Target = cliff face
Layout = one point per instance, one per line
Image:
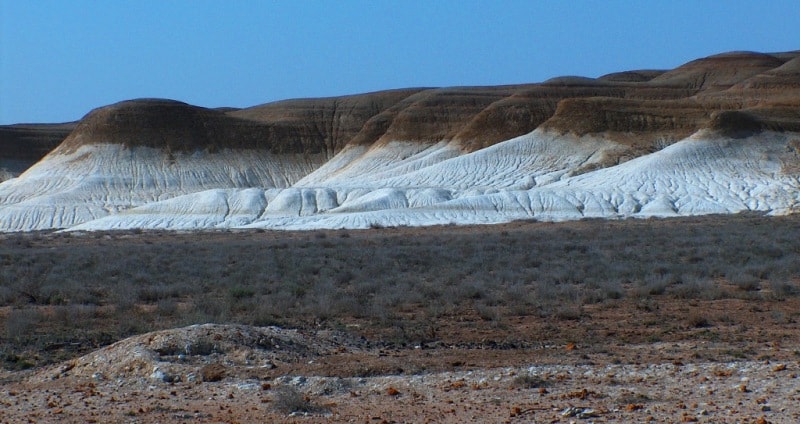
(716, 135)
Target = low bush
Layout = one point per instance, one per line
(397, 280)
(288, 399)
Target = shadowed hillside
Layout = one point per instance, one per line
(23, 145)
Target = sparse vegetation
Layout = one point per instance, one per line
(288, 400)
(65, 294)
(529, 381)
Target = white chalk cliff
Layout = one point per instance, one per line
(715, 136)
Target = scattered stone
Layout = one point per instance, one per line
(458, 384)
(723, 373)
(580, 394)
(157, 374)
(577, 412)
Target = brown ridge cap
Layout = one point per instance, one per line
(643, 101)
(642, 75)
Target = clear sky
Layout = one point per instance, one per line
(59, 59)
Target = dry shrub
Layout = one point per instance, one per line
(288, 399)
(698, 321)
(212, 372)
(529, 381)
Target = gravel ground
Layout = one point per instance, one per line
(270, 374)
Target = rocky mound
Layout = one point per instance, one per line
(200, 352)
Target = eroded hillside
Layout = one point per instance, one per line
(717, 135)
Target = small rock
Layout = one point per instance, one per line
(573, 411)
(157, 374)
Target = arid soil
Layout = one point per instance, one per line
(676, 356)
(740, 366)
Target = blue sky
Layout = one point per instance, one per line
(60, 59)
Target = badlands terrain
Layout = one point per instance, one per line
(325, 260)
(716, 135)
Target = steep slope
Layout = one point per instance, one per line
(716, 135)
(703, 174)
(137, 152)
(326, 124)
